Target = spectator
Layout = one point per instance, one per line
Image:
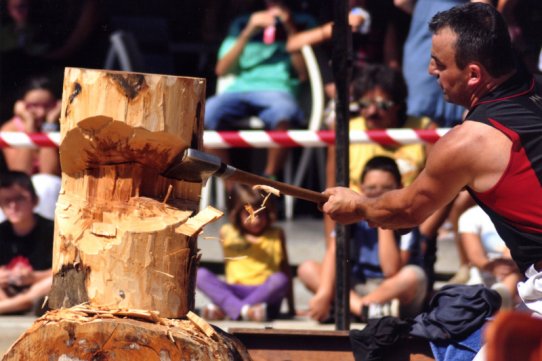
(22, 41)
(256, 267)
(381, 93)
(26, 244)
(486, 251)
(386, 274)
(266, 76)
(37, 110)
(21, 32)
(378, 32)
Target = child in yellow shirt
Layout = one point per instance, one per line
(254, 259)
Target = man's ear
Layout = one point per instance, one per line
(474, 74)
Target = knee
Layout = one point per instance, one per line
(307, 270)
(414, 277)
(203, 275)
(278, 279)
(212, 111)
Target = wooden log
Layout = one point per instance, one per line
(86, 334)
(124, 235)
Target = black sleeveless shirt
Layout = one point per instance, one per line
(514, 204)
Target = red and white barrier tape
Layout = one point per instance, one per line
(259, 139)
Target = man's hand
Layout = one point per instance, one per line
(260, 20)
(344, 205)
(53, 114)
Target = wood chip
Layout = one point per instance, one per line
(202, 325)
(164, 273)
(169, 190)
(237, 258)
(250, 211)
(267, 189)
(104, 229)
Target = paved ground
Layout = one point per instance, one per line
(304, 240)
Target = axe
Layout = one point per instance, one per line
(192, 165)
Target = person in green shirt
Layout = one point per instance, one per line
(265, 75)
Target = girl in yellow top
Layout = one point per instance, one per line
(253, 256)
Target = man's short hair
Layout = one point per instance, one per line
(23, 180)
(482, 36)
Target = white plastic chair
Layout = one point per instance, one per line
(313, 108)
(124, 53)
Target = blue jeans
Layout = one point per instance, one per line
(231, 298)
(272, 107)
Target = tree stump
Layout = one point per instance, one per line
(125, 246)
(119, 235)
(81, 334)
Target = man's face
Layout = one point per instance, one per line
(16, 203)
(379, 111)
(452, 80)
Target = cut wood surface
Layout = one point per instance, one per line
(84, 333)
(125, 236)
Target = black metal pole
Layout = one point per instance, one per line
(341, 64)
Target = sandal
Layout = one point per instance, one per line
(212, 312)
(256, 313)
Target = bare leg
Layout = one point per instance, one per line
(405, 286)
(309, 274)
(276, 156)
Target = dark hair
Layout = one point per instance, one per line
(39, 83)
(482, 36)
(382, 163)
(390, 80)
(11, 178)
(244, 195)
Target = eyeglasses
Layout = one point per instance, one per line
(46, 106)
(18, 199)
(381, 104)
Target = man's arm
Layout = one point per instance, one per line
(472, 154)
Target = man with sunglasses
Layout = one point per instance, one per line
(496, 153)
(379, 97)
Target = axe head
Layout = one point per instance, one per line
(195, 166)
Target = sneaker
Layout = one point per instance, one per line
(212, 312)
(379, 310)
(462, 275)
(507, 303)
(256, 313)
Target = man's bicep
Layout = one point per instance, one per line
(446, 173)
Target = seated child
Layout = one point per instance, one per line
(26, 246)
(255, 266)
(37, 110)
(386, 277)
(486, 252)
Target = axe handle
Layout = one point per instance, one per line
(251, 179)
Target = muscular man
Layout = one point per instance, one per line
(496, 153)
